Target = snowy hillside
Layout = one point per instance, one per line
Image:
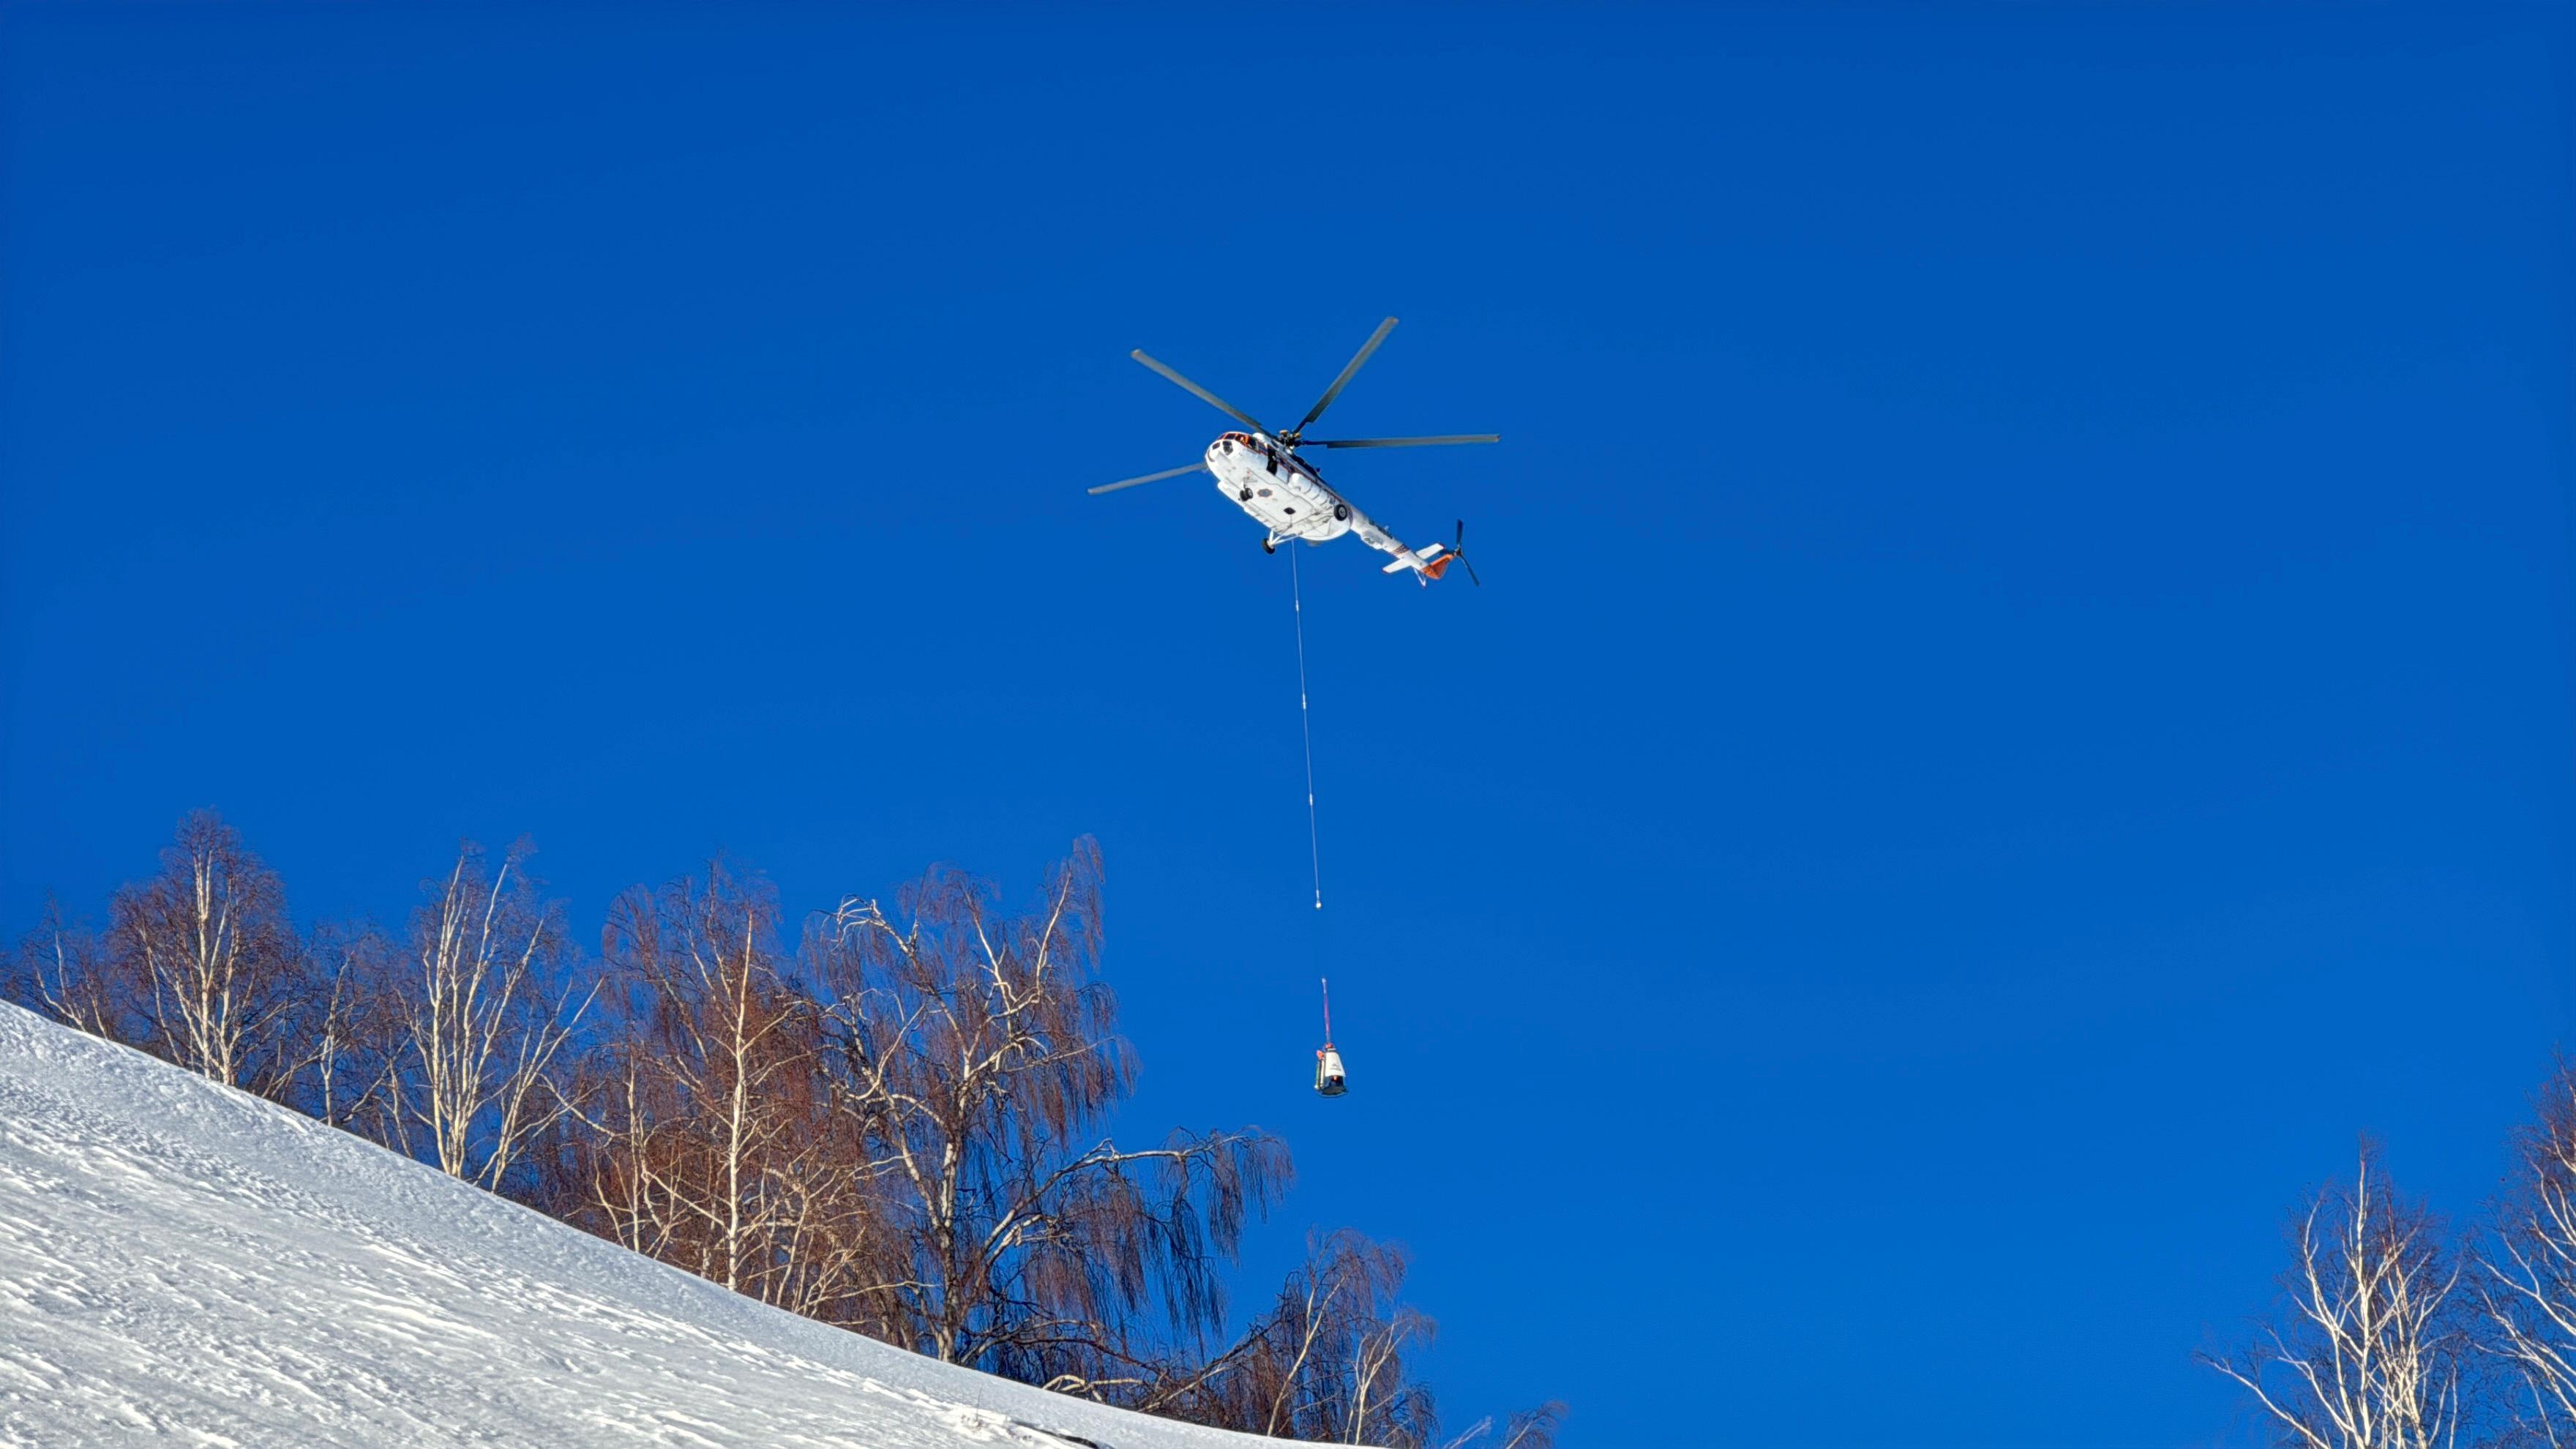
(180, 1258)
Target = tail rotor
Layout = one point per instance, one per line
(1458, 551)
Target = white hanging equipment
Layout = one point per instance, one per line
(1328, 1062)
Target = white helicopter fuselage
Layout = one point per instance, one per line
(1285, 495)
(1279, 489)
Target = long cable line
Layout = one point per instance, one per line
(1305, 727)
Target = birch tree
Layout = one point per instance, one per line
(979, 1053)
(1333, 1360)
(714, 1149)
(2370, 1352)
(2527, 1266)
(1335, 1369)
(483, 1013)
(200, 964)
(61, 973)
(344, 1053)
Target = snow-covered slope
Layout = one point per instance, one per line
(180, 1258)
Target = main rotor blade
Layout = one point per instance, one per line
(1401, 442)
(1148, 478)
(1203, 395)
(1348, 373)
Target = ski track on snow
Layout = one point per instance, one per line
(178, 1259)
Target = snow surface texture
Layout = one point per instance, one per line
(182, 1259)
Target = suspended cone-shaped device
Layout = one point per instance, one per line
(1329, 1080)
(1328, 1072)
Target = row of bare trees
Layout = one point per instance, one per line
(443, 1043)
(895, 1117)
(2396, 1332)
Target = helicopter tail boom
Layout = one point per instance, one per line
(1430, 563)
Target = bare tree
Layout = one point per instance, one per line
(1527, 1429)
(2527, 1266)
(980, 1055)
(480, 1018)
(1345, 1380)
(345, 1056)
(714, 1148)
(2370, 1354)
(60, 972)
(1328, 1363)
(199, 964)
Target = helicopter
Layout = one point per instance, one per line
(1261, 472)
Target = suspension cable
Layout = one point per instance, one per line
(1305, 727)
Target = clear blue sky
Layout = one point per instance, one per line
(2020, 698)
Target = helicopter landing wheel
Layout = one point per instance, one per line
(1243, 497)
(1342, 512)
(1270, 545)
